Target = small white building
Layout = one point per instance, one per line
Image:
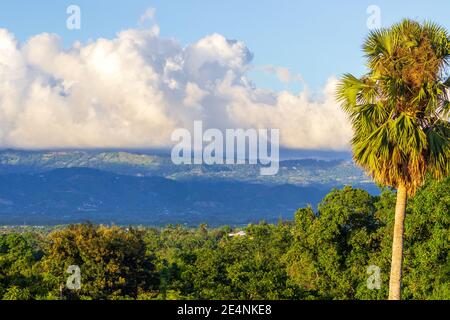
(238, 234)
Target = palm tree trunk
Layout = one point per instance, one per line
(395, 281)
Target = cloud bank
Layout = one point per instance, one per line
(135, 89)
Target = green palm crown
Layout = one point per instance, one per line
(399, 110)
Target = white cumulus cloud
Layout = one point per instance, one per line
(135, 89)
(283, 74)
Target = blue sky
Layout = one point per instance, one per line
(316, 39)
(129, 85)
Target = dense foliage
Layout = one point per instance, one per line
(400, 116)
(318, 255)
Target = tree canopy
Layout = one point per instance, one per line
(320, 254)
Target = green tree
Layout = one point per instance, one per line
(331, 250)
(251, 266)
(16, 293)
(426, 262)
(17, 262)
(113, 261)
(399, 112)
(427, 240)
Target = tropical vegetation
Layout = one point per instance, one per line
(328, 253)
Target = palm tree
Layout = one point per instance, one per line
(399, 111)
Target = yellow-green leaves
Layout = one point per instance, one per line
(397, 107)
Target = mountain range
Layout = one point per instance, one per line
(145, 187)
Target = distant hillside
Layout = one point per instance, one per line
(59, 187)
(78, 194)
(298, 171)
